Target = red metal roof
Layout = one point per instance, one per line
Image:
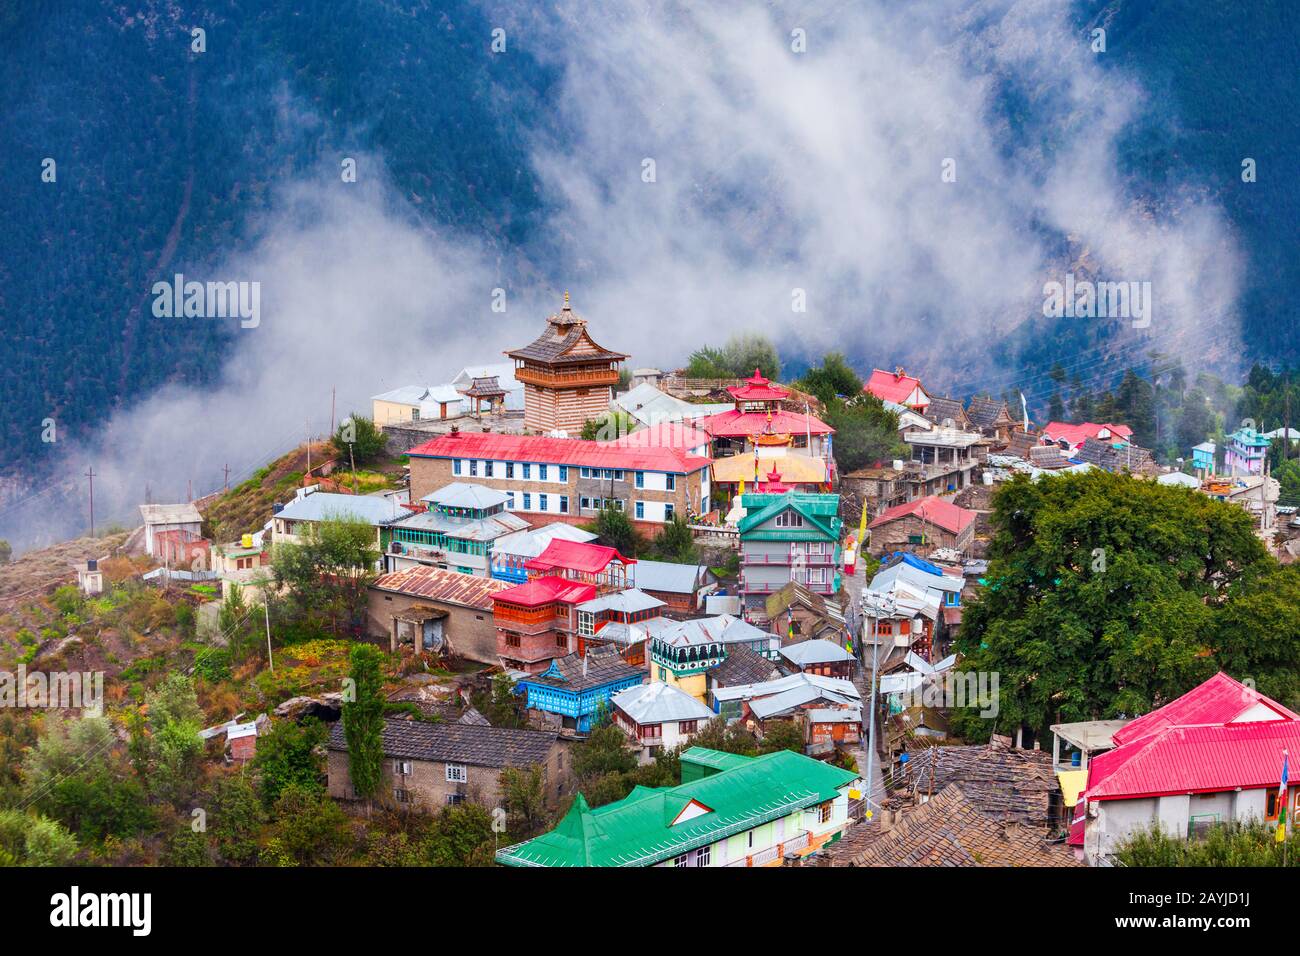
(1204, 759)
(680, 435)
(579, 556)
(734, 424)
(1219, 700)
(547, 590)
(758, 389)
(451, 587)
(1076, 435)
(891, 386)
(937, 511)
(559, 451)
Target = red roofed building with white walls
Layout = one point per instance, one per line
(898, 387)
(568, 479)
(1212, 756)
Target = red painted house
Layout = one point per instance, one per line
(899, 388)
(1071, 437)
(537, 622)
(593, 564)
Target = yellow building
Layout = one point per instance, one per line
(416, 403)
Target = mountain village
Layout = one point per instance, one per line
(769, 647)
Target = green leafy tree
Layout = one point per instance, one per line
(29, 839)
(781, 735)
(462, 836)
(6, 551)
(615, 529)
(237, 818)
(523, 797)
(363, 720)
(865, 432)
(311, 828)
(737, 359)
(676, 542)
(328, 574)
(499, 703)
(175, 748)
(834, 377)
(239, 626)
(1225, 845)
(290, 755)
(608, 427)
(358, 439)
(717, 734)
(1107, 597)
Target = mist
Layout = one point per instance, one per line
(779, 178)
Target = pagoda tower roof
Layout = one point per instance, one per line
(565, 342)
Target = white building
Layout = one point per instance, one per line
(159, 518)
(658, 716)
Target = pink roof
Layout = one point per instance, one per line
(559, 451)
(1219, 700)
(758, 389)
(576, 556)
(1075, 435)
(891, 387)
(679, 435)
(734, 424)
(547, 591)
(1203, 759)
(937, 511)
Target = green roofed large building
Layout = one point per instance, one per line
(729, 810)
(788, 537)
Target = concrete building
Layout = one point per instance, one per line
(429, 609)
(181, 517)
(658, 717)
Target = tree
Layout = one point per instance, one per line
(614, 529)
(328, 573)
(311, 828)
(717, 734)
(238, 626)
(289, 755)
(737, 359)
(1196, 423)
(833, 378)
(363, 721)
(175, 748)
(237, 818)
(1107, 598)
(865, 432)
(6, 551)
(358, 439)
(29, 839)
(676, 542)
(499, 703)
(523, 797)
(781, 735)
(1224, 845)
(462, 836)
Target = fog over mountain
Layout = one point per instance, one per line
(774, 171)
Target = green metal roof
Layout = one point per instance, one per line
(822, 511)
(638, 830)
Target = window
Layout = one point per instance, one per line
(564, 473)
(640, 509)
(528, 471)
(415, 414)
(703, 855)
(510, 500)
(473, 468)
(687, 726)
(681, 860)
(541, 472)
(512, 639)
(564, 504)
(510, 469)
(528, 501)
(455, 466)
(670, 482)
(789, 519)
(669, 511)
(561, 640)
(586, 623)
(824, 812)
(456, 773)
(401, 796)
(541, 502)
(402, 768)
(640, 479)
(455, 798)
(487, 469)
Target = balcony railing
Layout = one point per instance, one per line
(532, 376)
(773, 853)
(780, 559)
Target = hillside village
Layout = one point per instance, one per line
(565, 611)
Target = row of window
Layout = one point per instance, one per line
(524, 470)
(456, 772)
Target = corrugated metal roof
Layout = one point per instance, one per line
(629, 601)
(1218, 700)
(656, 703)
(1203, 759)
(532, 542)
(546, 590)
(734, 424)
(667, 576)
(581, 556)
(463, 494)
(320, 505)
(574, 452)
(449, 587)
(936, 511)
(817, 651)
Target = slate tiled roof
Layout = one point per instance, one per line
(950, 830)
(743, 666)
(941, 409)
(564, 331)
(1103, 454)
(937, 511)
(471, 744)
(984, 412)
(601, 670)
(999, 780)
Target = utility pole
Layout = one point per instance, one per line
(333, 390)
(90, 474)
(309, 448)
(189, 489)
(226, 469)
(875, 663)
(266, 608)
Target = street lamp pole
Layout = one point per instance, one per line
(874, 610)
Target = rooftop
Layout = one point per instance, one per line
(657, 703)
(462, 494)
(561, 451)
(531, 542)
(937, 511)
(565, 341)
(449, 587)
(574, 674)
(1218, 700)
(472, 744)
(546, 590)
(322, 505)
(629, 601)
(171, 514)
(892, 386)
(817, 651)
(649, 825)
(668, 576)
(1004, 782)
(581, 556)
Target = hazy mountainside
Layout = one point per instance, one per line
(167, 159)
